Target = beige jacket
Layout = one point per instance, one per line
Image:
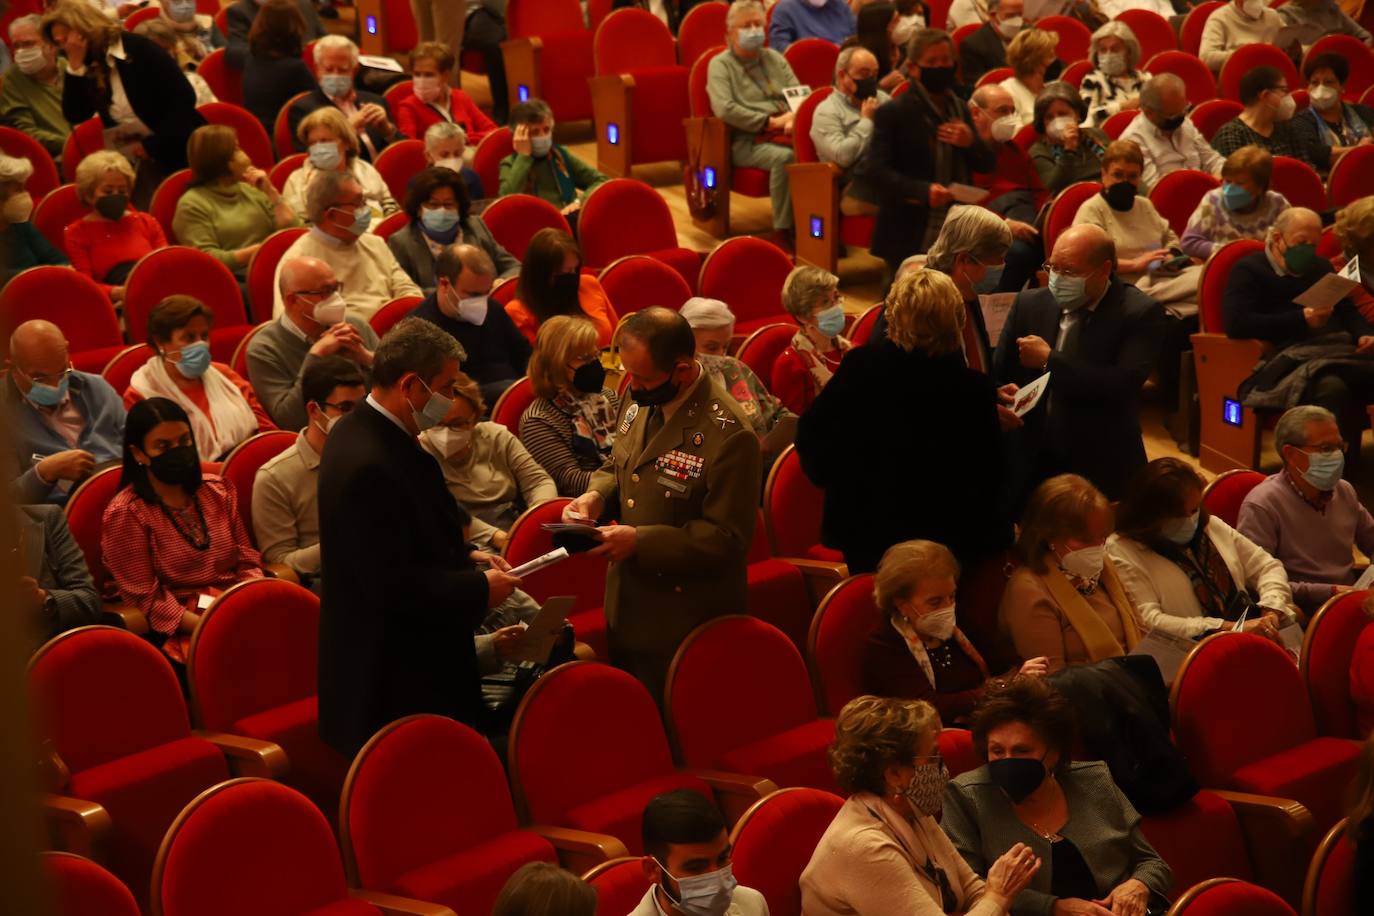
(1226, 30)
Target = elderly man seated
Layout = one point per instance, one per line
(31, 97)
(842, 126)
(1167, 138)
(745, 84)
(1316, 354)
(313, 325)
(366, 270)
(336, 63)
(64, 424)
(1306, 516)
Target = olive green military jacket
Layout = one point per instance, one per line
(692, 494)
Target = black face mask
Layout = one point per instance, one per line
(865, 88)
(1172, 124)
(656, 396)
(112, 206)
(589, 379)
(180, 466)
(1120, 196)
(937, 79)
(1017, 776)
(565, 288)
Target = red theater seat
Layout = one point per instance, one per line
(1330, 887)
(1228, 897)
(242, 464)
(700, 31)
(580, 574)
(262, 269)
(816, 196)
(224, 81)
(177, 270)
(1299, 182)
(386, 317)
(1352, 177)
(252, 137)
(548, 56)
(792, 507)
(639, 92)
(1200, 85)
(1064, 208)
(778, 593)
(1190, 34)
(1224, 495)
(620, 883)
(1209, 116)
(1247, 58)
(774, 841)
(399, 163)
(623, 217)
(1336, 666)
(708, 154)
(510, 406)
(1177, 194)
(1151, 30)
(1075, 38)
(813, 61)
(760, 350)
(637, 282)
(515, 218)
(486, 162)
(747, 274)
(79, 887)
(55, 212)
(72, 301)
(20, 145)
(835, 647)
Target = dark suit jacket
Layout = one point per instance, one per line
(318, 99)
(1258, 303)
(901, 168)
(52, 557)
(401, 599)
(980, 52)
(240, 17)
(158, 93)
(1096, 394)
(884, 447)
(270, 84)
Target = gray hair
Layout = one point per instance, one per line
(845, 56)
(413, 345)
(323, 192)
(806, 287)
(1116, 29)
(1152, 94)
(737, 9)
(32, 19)
(444, 130)
(974, 231)
(707, 314)
(1285, 220)
(1292, 427)
(335, 43)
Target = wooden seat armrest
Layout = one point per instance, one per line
(580, 850)
(820, 575)
(734, 792)
(249, 756)
(392, 905)
(611, 104)
(125, 616)
(283, 572)
(1278, 838)
(1289, 817)
(521, 57)
(76, 825)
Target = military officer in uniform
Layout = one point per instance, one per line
(682, 483)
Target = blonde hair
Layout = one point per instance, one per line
(1028, 49)
(805, 289)
(1355, 225)
(560, 339)
(91, 169)
(1059, 507)
(904, 566)
(925, 312)
(333, 120)
(100, 30)
(1127, 151)
(874, 733)
(1254, 161)
(467, 389)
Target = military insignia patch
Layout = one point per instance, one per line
(680, 465)
(697, 439)
(630, 415)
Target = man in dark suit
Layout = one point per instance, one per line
(1098, 338)
(986, 49)
(911, 174)
(402, 592)
(336, 62)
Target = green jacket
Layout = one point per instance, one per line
(521, 174)
(36, 109)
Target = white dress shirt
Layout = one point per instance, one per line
(1186, 148)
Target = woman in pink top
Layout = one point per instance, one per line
(107, 242)
(432, 69)
(552, 283)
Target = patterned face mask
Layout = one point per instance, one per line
(926, 791)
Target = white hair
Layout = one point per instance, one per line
(738, 9)
(707, 314)
(1288, 218)
(33, 20)
(1117, 29)
(1292, 426)
(969, 230)
(444, 130)
(13, 168)
(335, 43)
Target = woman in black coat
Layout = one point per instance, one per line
(131, 83)
(905, 440)
(274, 71)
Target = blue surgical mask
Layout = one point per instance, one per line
(180, 10)
(434, 411)
(1234, 197)
(325, 155)
(49, 395)
(540, 146)
(440, 220)
(830, 322)
(195, 359)
(1324, 470)
(1069, 292)
(1181, 531)
(336, 85)
(362, 218)
(751, 39)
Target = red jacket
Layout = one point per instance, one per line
(1014, 172)
(414, 117)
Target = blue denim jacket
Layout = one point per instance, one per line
(34, 439)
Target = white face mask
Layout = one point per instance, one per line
(449, 441)
(326, 424)
(1010, 26)
(30, 60)
(937, 624)
(330, 310)
(1085, 563)
(1325, 98)
(1004, 128)
(1056, 129)
(1113, 63)
(1286, 109)
(906, 27)
(453, 162)
(471, 309)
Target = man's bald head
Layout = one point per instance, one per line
(992, 97)
(306, 274)
(1086, 251)
(38, 348)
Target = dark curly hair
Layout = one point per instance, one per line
(1029, 700)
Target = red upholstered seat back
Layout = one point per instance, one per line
(20, 145)
(1330, 887)
(632, 39)
(699, 100)
(1352, 177)
(747, 274)
(402, 35)
(1116, 125)
(424, 788)
(282, 138)
(792, 506)
(185, 271)
(515, 218)
(268, 627)
(1209, 116)
(566, 749)
(963, 32)
(486, 162)
(1190, 35)
(1247, 58)
(1212, 287)
(760, 350)
(392, 225)
(995, 75)
(163, 207)
(1065, 207)
(637, 282)
(241, 465)
(579, 575)
(82, 888)
(719, 666)
(774, 841)
(225, 82)
(813, 61)
(838, 631)
(1362, 680)
(1328, 661)
(399, 163)
(862, 330)
(956, 746)
(658, 107)
(1151, 30)
(1357, 56)
(101, 694)
(56, 211)
(1074, 37)
(388, 315)
(262, 269)
(1224, 495)
(248, 846)
(1199, 84)
(510, 406)
(700, 31)
(398, 92)
(1178, 193)
(1220, 736)
(1228, 897)
(565, 61)
(1200, 839)
(801, 127)
(1073, 74)
(620, 883)
(281, 172)
(72, 301)
(1299, 182)
(252, 137)
(623, 216)
(543, 17)
(85, 138)
(86, 510)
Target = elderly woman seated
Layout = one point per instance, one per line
(1066, 602)
(1355, 231)
(107, 242)
(811, 296)
(1331, 127)
(713, 325)
(1064, 152)
(1115, 82)
(1029, 56)
(1094, 857)
(916, 649)
(332, 146)
(1242, 208)
(23, 246)
(486, 468)
(884, 852)
(1188, 572)
(446, 146)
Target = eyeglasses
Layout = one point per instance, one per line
(1049, 268)
(341, 407)
(1329, 448)
(322, 292)
(43, 378)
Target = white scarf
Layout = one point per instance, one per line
(231, 420)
